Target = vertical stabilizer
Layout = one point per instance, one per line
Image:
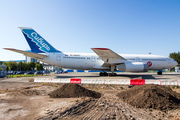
(36, 42)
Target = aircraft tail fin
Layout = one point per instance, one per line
(36, 42)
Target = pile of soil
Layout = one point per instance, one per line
(151, 96)
(72, 91)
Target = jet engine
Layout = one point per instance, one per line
(133, 67)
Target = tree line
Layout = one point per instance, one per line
(22, 66)
(1, 68)
(175, 56)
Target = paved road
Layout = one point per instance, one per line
(121, 76)
(166, 76)
(23, 79)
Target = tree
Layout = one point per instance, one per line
(24, 66)
(175, 56)
(39, 66)
(7, 68)
(32, 65)
(19, 66)
(1, 68)
(12, 65)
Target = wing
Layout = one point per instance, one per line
(29, 54)
(107, 53)
(108, 56)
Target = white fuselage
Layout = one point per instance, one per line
(88, 61)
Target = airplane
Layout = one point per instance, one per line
(103, 59)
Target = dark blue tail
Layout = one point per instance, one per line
(36, 42)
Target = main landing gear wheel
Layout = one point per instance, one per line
(112, 74)
(159, 72)
(103, 74)
(107, 74)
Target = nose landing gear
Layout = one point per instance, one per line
(159, 72)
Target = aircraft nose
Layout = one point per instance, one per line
(175, 63)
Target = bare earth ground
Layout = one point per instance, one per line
(19, 101)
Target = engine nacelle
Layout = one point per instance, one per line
(133, 67)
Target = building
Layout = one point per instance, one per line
(45, 66)
(29, 59)
(3, 72)
(17, 61)
(50, 67)
(177, 69)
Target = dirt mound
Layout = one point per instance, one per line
(73, 90)
(151, 96)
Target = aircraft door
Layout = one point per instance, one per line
(80, 64)
(137, 59)
(93, 59)
(58, 57)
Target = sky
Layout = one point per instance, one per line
(124, 26)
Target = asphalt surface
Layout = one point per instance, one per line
(165, 76)
(123, 75)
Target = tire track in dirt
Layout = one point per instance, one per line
(109, 106)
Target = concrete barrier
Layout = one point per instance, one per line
(169, 82)
(56, 81)
(86, 81)
(42, 80)
(178, 82)
(105, 81)
(108, 81)
(152, 81)
(137, 81)
(92, 81)
(65, 81)
(100, 81)
(75, 81)
(123, 82)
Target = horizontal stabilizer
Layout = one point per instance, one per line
(29, 54)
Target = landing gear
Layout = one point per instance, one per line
(107, 74)
(112, 74)
(159, 72)
(103, 74)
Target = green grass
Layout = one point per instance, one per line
(17, 76)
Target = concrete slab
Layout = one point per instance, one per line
(165, 76)
(123, 75)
